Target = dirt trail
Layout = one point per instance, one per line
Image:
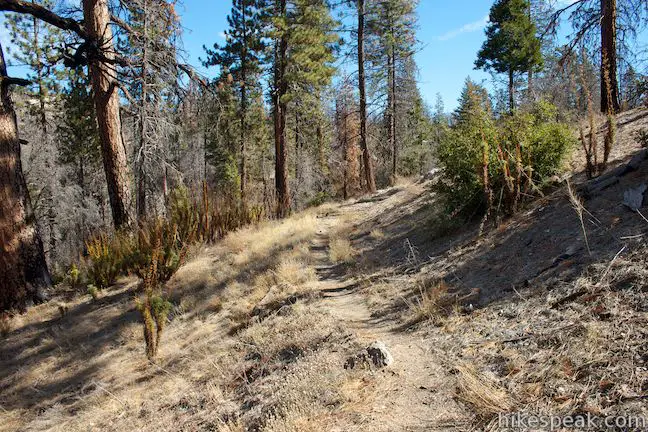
(413, 392)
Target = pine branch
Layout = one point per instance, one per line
(44, 14)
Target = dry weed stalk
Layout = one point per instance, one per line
(611, 124)
(577, 204)
(590, 143)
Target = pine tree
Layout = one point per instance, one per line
(303, 39)
(511, 44)
(241, 57)
(608, 27)
(153, 78)
(370, 180)
(392, 27)
(76, 128)
(34, 45)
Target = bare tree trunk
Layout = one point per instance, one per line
(140, 202)
(281, 151)
(609, 83)
(297, 151)
(244, 60)
(22, 258)
(391, 127)
(106, 96)
(370, 180)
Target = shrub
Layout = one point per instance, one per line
(74, 277)
(642, 137)
(108, 258)
(508, 159)
(154, 307)
(319, 199)
(93, 292)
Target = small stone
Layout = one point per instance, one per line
(375, 355)
(379, 354)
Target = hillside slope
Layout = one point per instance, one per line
(523, 318)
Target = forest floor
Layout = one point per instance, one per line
(528, 317)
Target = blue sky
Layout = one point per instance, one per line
(450, 34)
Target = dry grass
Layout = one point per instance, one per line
(377, 234)
(251, 243)
(484, 395)
(341, 251)
(294, 272)
(432, 303)
(577, 204)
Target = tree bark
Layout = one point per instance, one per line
(244, 60)
(370, 180)
(106, 96)
(22, 258)
(609, 82)
(281, 151)
(140, 160)
(391, 99)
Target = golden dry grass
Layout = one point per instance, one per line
(432, 302)
(341, 251)
(484, 395)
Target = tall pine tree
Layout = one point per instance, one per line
(511, 44)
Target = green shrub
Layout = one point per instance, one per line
(517, 153)
(319, 199)
(108, 257)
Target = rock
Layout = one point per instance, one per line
(633, 198)
(638, 159)
(379, 354)
(375, 355)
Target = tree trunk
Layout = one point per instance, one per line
(391, 126)
(106, 96)
(609, 84)
(370, 180)
(297, 151)
(244, 60)
(281, 151)
(22, 258)
(140, 159)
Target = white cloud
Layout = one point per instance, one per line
(222, 35)
(467, 28)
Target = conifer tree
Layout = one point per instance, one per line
(241, 57)
(76, 128)
(35, 45)
(303, 38)
(392, 25)
(150, 45)
(511, 44)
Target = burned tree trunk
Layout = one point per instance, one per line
(609, 83)
(391, 112)
(370, 181)
(104, 84)
(22, 259)
(280, 107)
